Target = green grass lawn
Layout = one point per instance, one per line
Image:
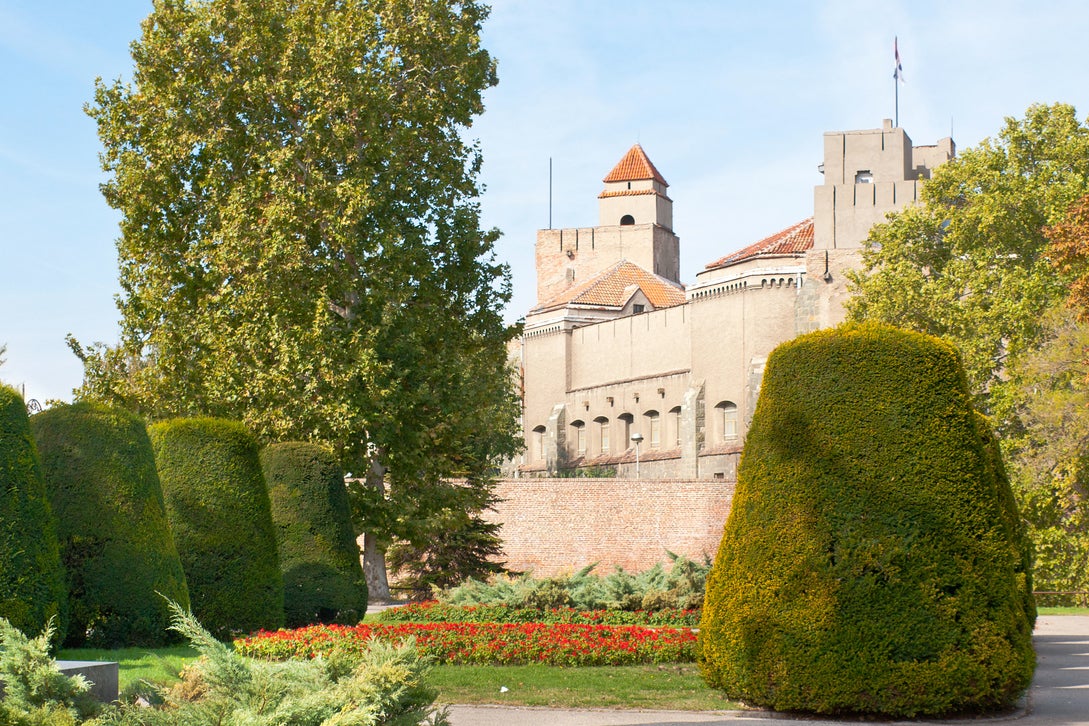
(1062, 611)
(157, 665)
(669, 687)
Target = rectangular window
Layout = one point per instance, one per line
(655, 432)
(604, 427)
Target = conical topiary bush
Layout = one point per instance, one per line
(218, 508)
(32, 588)
(319, 556)
(870, 563)
(116, 545)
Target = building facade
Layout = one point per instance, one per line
(617, 346)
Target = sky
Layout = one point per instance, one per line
(729, 99)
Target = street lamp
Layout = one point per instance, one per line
(637, 438)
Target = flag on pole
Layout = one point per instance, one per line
(898, 73)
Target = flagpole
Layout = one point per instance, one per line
(897, 75)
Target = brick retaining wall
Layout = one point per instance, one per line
(553, 526)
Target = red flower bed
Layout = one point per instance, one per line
(436, 612)
(489, 643)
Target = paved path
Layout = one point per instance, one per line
(1059, 695)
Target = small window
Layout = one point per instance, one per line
(538, 451)
(727, 416)
(637, 308)
(626, 420)
(675, 426)
(654, 429)
(602, 434)
(580, 437)
(627, 219)
(864, 176)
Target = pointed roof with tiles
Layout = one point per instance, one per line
(614, 287)
(635, 166)
(793, 240)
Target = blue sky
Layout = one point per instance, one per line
(729, 99)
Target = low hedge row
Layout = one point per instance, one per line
(436, 612)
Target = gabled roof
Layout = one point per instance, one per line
(635, 166)
(615, 286)
(793, 240)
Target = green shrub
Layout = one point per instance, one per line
(36, 693)
(681, 587)
(870, 563)
(319, 557)
(382, 686)
(116, 545)
(219, 511)
(32, 588)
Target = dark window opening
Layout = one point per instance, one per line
(627, 219)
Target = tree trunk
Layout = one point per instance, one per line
(374, 558)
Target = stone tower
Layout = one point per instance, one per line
(635, 224)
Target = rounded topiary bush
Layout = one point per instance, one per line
(870, 563)
(319, 556)
(219, 511)
(116, 545)
(32, 588)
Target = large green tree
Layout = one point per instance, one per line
(301, 244)
(972, 263)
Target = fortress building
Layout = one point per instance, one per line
(617, 345)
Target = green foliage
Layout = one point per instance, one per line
(36, 693)
(305, 254)
(32, 588)
(450, 545)
(319, 557)
(1051, 452)
(219, 510)
(383, 687)
(115, 541)
(870, 563)
(652, 589)
(436, 612)
(587, 472)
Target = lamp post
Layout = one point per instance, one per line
(637, 438)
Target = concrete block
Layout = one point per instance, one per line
(102, 675)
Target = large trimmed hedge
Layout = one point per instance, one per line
(870, 563)
(319, 556)
(219, 511)
(116, 545)
(32, 587)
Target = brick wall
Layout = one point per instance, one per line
(553, 526)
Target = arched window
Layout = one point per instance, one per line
(726, 412)
(626, 420)
(602, 434)
(654, 429)
(626, 220)
(674, 434)
(538, 450)
(580, 437)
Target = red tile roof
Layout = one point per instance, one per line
(791, 241)
(635, 166)
(613, 288)
(627, 193)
